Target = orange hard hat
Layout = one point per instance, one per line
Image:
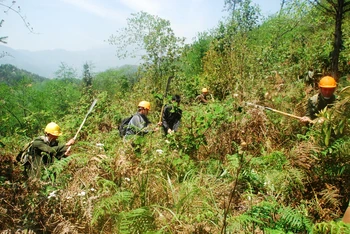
(204, 90)
(327, 82)
(145, 105)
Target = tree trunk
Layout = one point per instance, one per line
(337, 45)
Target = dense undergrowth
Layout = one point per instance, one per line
(231, 168)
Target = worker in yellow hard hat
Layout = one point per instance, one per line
(318, 102)
(203, 97)
(45, 149)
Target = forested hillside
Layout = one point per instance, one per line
(231, 167)
(11, 75)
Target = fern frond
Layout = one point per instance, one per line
(243, 222)
(330, 196)
(110, 207)
(57, 167)
(302, 155)
(273, 231)
(331, 227)
(294, 220)
(107, 186)
(140, 220)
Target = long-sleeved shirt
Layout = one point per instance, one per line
(137, 125)
(317, 103)
(48, 149)
(171, 118)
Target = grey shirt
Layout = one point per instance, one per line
(138, 125)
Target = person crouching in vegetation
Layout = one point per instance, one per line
(45, 149)
(138, 126)
(171, 116)
(203, 97)
(139, 123)
(324, 98)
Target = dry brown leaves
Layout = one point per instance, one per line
(301, 156)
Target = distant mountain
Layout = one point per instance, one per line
(45, 63)
(10, 75)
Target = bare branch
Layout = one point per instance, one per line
(18, 12)
(2, 40)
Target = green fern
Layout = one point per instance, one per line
(274, 217)
(275, 231)
(57, 167)
(243, 222)
(107, 186)
(140, 220)
(294, 220)
(331, 227)
(110, 207)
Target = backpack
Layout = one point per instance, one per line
(123, 126)
(25, 155)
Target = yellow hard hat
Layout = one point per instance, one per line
(53, 129)
(145, 105)
(204, 90)
(327, 82)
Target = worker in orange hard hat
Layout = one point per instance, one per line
(203, 97)
(325, 97)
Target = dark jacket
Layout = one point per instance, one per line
(317, 103)
(171, 118)
(48, 150)
(138, 125)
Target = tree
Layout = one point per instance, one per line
(337, 9)
(66, 72)
(116, 82)
(87, 77)
(192, 65)
(227, 63)
(153, 36)
(231, 4)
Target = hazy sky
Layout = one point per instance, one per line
(83, 24)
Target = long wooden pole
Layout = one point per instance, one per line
(81, 125)
(274, 110)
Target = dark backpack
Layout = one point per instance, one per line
(123, 126)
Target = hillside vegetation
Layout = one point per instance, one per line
(231, 168)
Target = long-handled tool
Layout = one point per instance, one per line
(274, 110)
(81, 125)
(164, 98)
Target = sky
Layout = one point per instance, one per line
(76, 25)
